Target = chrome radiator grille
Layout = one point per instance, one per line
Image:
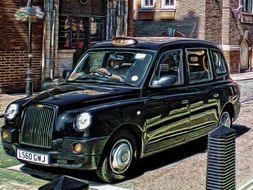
(37, 127)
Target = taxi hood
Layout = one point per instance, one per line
(78, 95)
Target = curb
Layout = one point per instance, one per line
(92, 185)
(241, 79)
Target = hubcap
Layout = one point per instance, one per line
(121, 156)
(225, 120)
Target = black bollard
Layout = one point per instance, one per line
(65, 183)
(221, 159)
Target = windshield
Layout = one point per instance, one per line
(114, 67)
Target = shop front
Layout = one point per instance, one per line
(72, 26)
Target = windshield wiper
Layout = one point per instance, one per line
(117, 82)
(90, 78)
(85, 79)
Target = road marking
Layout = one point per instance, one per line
(16, 168)
(92, 185)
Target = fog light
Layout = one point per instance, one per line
(5, 135)
(77, 147)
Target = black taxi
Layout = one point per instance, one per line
(126, 99)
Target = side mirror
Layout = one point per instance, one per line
(165, 81)
(66, 73)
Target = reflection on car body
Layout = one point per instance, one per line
(162, 92)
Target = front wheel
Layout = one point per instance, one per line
(119, 157)
(225, 119)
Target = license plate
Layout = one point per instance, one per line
(32, 156)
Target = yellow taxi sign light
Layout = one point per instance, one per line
(122, 41)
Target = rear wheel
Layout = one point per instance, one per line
(119, 157)
(225, 119)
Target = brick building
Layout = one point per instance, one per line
(228, 23)
(13, 48)
(70, 26)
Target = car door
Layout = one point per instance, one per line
(167, 107)
(204, 99)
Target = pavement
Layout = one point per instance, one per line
(242, 76)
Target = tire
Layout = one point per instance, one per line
(225, 119)
(119, 157)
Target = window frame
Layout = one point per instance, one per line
(144, 6)
(164, 6)
(245, 4)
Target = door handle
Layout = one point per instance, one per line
(184, 102)
(216, 95)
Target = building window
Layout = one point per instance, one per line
(71, 32)
(80, 32)
(247, 6)
(168, 4)
(81, 23)
(147, 3)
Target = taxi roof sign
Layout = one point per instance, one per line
(123, 41)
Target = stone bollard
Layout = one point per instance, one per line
(221, 159)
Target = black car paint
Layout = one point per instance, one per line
(160, 118)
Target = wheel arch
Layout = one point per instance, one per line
(230, 109)
(134, 130)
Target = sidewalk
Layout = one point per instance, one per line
(242, 76)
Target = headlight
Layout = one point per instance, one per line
(83, 121)
(11, 112)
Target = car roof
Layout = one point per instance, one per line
(155, 43)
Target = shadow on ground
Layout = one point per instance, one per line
(146, 164)
(240, 129)
(150, 163)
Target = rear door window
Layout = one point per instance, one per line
(219, 63)
(199, 66)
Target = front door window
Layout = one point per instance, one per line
(170, 65)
